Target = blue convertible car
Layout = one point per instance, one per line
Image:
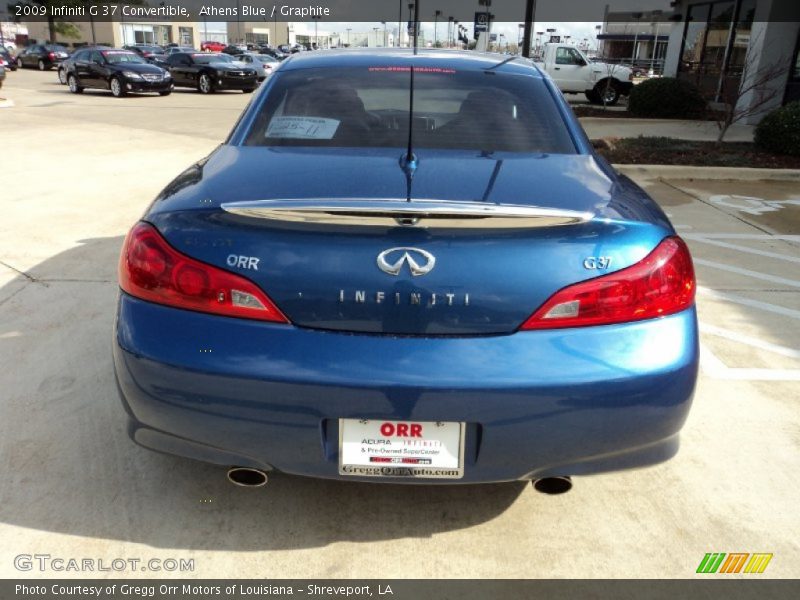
(407, 267)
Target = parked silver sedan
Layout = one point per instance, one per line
(262, 63)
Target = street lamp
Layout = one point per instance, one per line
(436, 16)
(656, 16)
(637, 16)
(414, 24)
(449, 29)
(375, 33)
(385, 38)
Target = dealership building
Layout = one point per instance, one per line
(727, 45)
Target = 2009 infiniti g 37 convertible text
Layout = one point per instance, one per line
(407, 268)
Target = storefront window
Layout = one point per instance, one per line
(741, 38)
(717, 37)
(695, 37)
(185, 34)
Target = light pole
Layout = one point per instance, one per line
(348, 36)
(436, 16)
(598, 29)
(449, 28)
(400, 24)
(385, 38)
(316, 31)
(656, 18)
(637, 16)
(414, 24)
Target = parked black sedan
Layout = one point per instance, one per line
(42, 56)
(211, 72)
(153, 54)
(120, 71)
(80, 53)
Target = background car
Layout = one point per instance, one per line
(42, 56)
(118, 70)
(273, 52)
(169, 50)
(262, 63)
(234, 50)
(152, 53)
(463, 294)
(7, 60)
(2, 75)
(209, 72)
(212, 46)
(64, 64)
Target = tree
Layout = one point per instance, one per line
(756, 87)
(56, 25)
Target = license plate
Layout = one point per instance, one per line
(383, 448)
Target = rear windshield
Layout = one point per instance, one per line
(369, 107)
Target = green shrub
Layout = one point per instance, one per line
(666, 98)
(779, 131)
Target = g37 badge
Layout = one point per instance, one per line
(597, 262)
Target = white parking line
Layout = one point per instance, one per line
(745, 249)
(748, 341)
(713, 367)
(745, 236)
(765, 306)
(747, 273)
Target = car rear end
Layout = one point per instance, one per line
(496, 305)
(54, 55)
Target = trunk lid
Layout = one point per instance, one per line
(369, 273)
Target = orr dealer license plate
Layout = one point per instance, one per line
(420, 449)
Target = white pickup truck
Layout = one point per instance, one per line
(574, 73)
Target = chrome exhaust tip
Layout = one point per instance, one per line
(553, 486)
(247, 477)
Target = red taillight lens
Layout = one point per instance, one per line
(660, 284)
(151, 269)
(51, 55)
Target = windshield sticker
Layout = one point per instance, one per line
(302, 128)
(416, 70)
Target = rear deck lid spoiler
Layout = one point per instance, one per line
(421, 213)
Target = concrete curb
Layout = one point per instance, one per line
(718, 173)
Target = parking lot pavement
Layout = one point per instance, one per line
(75, 487)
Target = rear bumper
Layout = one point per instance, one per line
(559, 402)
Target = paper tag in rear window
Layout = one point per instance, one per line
(302, 128)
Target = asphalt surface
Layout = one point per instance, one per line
(79, 170)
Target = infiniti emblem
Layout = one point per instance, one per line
(419, 261)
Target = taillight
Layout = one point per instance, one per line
(151, 269)
(51, 55)
(660, 284)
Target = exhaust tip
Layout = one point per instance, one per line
(552, 486)
(247, 477)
